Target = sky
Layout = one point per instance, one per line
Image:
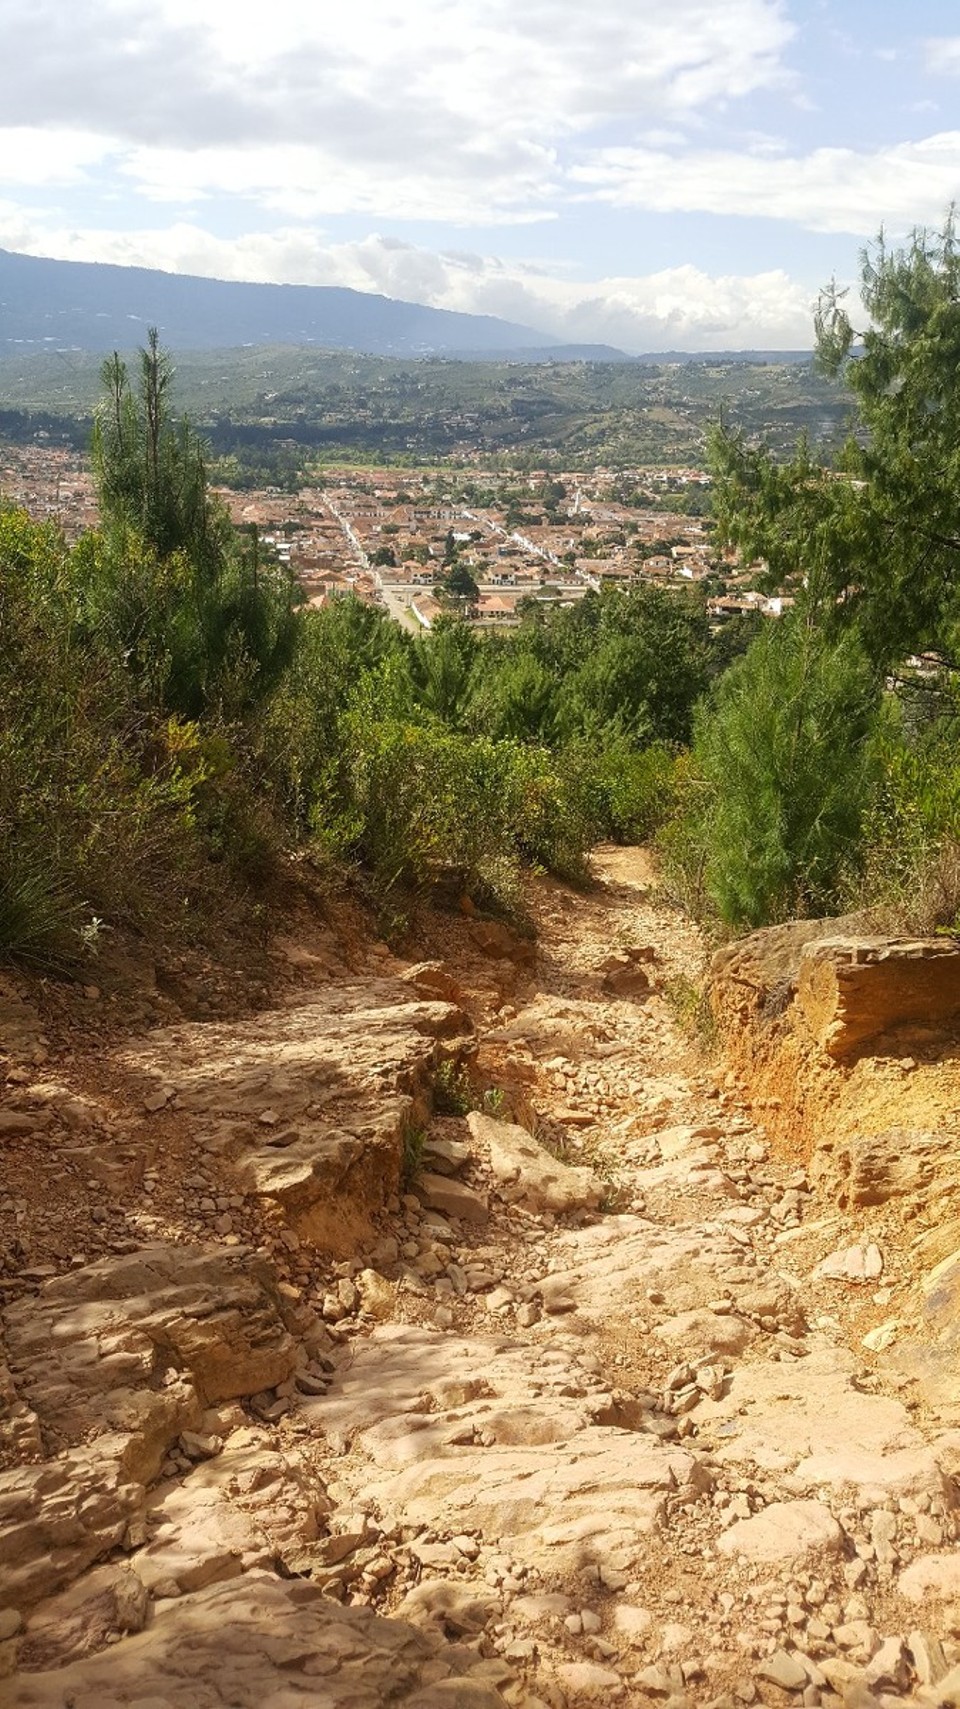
(679, 175)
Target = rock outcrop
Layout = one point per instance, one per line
(263, 1641)
(310, 1112)
(857, 991)
(115, 1362)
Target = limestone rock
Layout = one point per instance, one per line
(870, 1169)
(927, 1655)
(255, 1641)
(563, 1490)
(634, 1625)
(450, 1606)
(377, 1295)
(753, 980)
(460, 1693)
(852, 1264)
(253, 1505)
(142, 1342)
(785, 1531)
(586, 1682)
(77, 1623)
(538, 1180)
(453, 1198)
(855, 990)
(60, 1517)
(889, 1669)
(117, 1360)
(784, 1670)
(624, 972)
(703, 1333)
(930, 1357)
(341, 1077)
(811, 1421)
(946, 1694)
(930, 1575)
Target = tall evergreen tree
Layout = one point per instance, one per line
(191, 606)
(874, 540)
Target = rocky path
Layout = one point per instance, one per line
(584, 1408)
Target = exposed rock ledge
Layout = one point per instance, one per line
(846, 1046)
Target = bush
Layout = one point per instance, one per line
(909, 867)
(783, 759)
(109, 810)
(633, 792)
(429, 802)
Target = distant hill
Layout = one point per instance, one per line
(723, 358)
(79, 305)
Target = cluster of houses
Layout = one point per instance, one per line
(51, 481)
(391, 536)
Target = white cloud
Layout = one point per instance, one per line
(680, 307)
(942, 55)
(829, 190)
(31, 157)
(435, 109)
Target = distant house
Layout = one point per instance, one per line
(426, 609)
(493, 608)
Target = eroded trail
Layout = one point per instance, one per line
(581, 1414)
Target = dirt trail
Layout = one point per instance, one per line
(590, 1408)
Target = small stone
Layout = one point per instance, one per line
(889, 1669)
(879, 1339)
(655, 1681)
(784, 1670)
(855, 1635)
(499, 1299)
(633, 1624)
(928, 1657)
(587, 1682)
(200, 1447)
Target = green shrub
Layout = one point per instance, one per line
(909, 864)
(101, 800)
(632, 791)
(782, 749)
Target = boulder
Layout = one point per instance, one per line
(534, 1177)
(703, 1334)
(453, 1198)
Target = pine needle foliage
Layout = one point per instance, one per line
(784, 750)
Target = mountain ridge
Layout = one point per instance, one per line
(96, 306)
